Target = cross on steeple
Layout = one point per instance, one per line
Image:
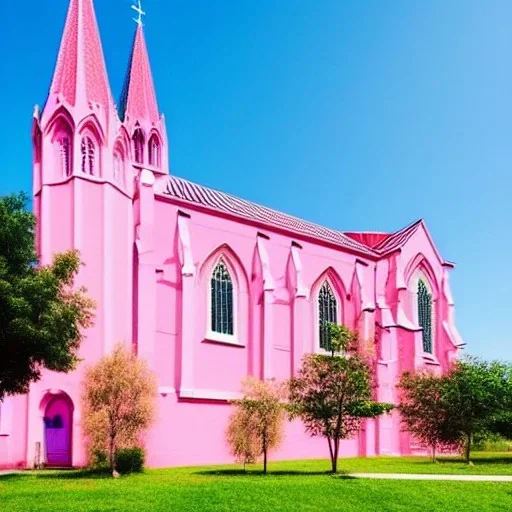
(138, 9)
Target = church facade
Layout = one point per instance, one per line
(205, 286)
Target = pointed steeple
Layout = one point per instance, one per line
(80, 76)
(138, 99)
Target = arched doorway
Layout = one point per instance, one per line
(58, 425)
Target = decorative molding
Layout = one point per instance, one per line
(268, 280)
(302, 290)
(208, 394)
(366, 303)
(188, 268)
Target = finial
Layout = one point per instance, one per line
(138, 9)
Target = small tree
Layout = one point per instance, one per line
(476, 393)
(118, 402)
(424, 412)
(242, 438)
(42, 315)
(332, 393)
(256, 425)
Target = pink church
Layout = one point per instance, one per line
(205, 286)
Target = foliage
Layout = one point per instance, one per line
(242, 438)
(476, 393)
(424, 412)
(256, 424)
(118, 402)
(332, 394)
(42, 317)
(130, 460)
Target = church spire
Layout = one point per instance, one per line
(80, 78)
(138, 100)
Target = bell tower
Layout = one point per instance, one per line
(83, 181)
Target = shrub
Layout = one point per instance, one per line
(130, 460)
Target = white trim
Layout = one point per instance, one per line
(339, 320)
(418, 276)
(209, 394)
(227, 339)
(216, 336)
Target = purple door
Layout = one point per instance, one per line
(57, 427)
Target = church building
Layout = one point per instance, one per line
(208, 288)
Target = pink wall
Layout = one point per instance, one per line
(148, 257)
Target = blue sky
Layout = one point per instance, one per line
(356, 114)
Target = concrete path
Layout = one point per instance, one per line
(457, 478)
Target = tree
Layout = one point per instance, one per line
(476, 393)
(118, 402)
(424, 411)
(242, 438)
(42, 317)
(332, 393)
(256, 425)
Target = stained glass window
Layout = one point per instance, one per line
(222, 300)
(425, 315)
(138, 146)
(154, 152)
(88, 155)
(65, 154)
(327, 314)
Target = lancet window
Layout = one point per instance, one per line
(222, 300)
(154, 151)
(88, 150)
(425, 315)
(138, 146)
(327, 314)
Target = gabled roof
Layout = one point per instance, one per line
(80, 72)
(373, 245)
(398, 239)
(138, 99)
(199, 195)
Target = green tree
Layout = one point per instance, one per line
(256, 425)
(42, 316)
(476, 394)
(424, 411)
(332, 393)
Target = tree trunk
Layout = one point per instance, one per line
(468, 449)
(336, 453)
(265, 461)
(112, 452)
(433, 453)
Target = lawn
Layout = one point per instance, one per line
(291, 486)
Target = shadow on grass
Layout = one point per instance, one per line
(476, 461)
(255, 472)
(71, 474)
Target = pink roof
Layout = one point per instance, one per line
(80, 65)
(220, 201)
(199, 195)
(367, 238)
(138, 100)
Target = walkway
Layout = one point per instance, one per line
(458, 478)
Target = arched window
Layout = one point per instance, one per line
(154, 151)
(327, 314)
(64, 154)
(138, 146)
(88, 150)
(221, 300)
(118, 166)
(425, 315)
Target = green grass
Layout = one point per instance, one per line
(291, 486)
